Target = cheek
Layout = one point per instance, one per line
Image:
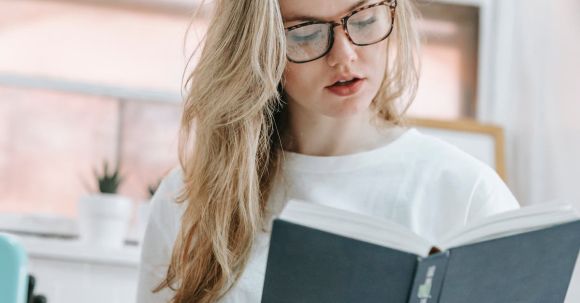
(376, 59)
(299, 80)
(290, 76)
(374, 63)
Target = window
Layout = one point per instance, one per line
(110, 89)
(52, 141)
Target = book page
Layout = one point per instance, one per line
(508, 223)
(356, 226)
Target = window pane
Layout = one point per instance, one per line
(448, 86)
(97, 44)
(149, 135)
(50, 142)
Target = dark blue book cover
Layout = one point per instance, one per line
(309, 265)
(312, 266)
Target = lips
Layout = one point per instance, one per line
(346, 88)
(342, 79)
(344, 82)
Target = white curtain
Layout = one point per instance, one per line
(537, 97)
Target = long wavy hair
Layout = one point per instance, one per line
(232, 134)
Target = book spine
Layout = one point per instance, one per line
(429, 278)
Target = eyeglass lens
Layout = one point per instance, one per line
(365, 27)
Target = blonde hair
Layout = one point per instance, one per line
(231, 139)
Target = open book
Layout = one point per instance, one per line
(321, 254)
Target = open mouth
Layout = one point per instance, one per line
(346, 87)
(345, 83)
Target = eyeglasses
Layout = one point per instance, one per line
(364, 26)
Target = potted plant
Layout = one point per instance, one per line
(104, 214)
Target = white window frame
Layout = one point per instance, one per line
(116, 92)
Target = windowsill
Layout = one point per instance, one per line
(56, 239)
(76, 251)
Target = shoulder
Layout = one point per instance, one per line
(456, 174)
(446, 159)
(165, 211)
(170, 187)
(160, 235)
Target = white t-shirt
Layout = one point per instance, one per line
(417, 180)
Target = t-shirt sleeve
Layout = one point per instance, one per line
(490, 196)
(158, 241)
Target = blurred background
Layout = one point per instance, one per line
(88, 81)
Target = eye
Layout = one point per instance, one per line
(364, 23)
(306, 37)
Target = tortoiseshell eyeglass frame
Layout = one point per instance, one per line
(392, 4)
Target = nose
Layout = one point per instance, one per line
(343, 52)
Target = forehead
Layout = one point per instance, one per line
(303, 10)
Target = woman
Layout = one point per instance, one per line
(299, 99)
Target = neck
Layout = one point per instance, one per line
(319, 135)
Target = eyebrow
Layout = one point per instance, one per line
(310, 18)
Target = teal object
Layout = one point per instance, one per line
(13, 270)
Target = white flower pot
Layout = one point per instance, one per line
(104, 219)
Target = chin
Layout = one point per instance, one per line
(349, 107)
